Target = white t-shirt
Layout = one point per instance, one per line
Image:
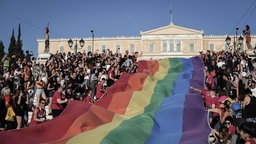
(253, 91)
(219, 64)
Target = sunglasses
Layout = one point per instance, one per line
(228, 123)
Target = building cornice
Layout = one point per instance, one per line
(95, 38)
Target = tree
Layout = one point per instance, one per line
(19, 44)
(1, 49)
(12, 46)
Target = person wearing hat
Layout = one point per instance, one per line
(249, 104)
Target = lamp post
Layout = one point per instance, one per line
(70, 44)
(92, 40)
(236, 43)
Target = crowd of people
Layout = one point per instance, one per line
(229, 95)
(229, 92)
(63, 77)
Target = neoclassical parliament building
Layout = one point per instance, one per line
(162, 42)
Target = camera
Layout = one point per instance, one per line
(16, 80)
(30, 91)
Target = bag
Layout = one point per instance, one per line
(236, 107)
(10, 115)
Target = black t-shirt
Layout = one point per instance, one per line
(249, 111)
(74, 83)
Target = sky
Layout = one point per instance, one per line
(112, 18)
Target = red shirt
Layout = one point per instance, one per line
(41, 113)
(7, 99)
(209, 101)
(55, 104)
(232, 130)
(210, 81)
(99, 91)
(87, 99)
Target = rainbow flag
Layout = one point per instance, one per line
(153, 106)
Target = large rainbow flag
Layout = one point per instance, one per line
(153, 106)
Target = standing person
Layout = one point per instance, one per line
(47, 42)
(39, 113)
(100, 89)
(30, 90)
(111, 76)
(58, 101)
(226, 85)
(94, 82)
(21, 104)
(247, 33)
(209, 79)
(235, 86)
(6, 102)
(51, 89)
(26, 75)
(248, 106)
(28, 56)
(40, 89)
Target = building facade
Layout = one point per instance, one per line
(167, 41)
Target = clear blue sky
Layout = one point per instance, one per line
(111, 18)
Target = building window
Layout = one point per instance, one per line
(61, 49)
(178, 44)
(89, 48)
(171, 46)
(152, 47)
(103, 48)
(164, 46)
(211, 46)
(132, 48)
(192, 47)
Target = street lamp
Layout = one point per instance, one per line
(70, 44)
(92, 40)
(236, 43)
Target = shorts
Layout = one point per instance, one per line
(40, 92)
(50, 94)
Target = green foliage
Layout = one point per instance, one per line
(1, 49)
(15, 47)
(12, 45)
(19, 44)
